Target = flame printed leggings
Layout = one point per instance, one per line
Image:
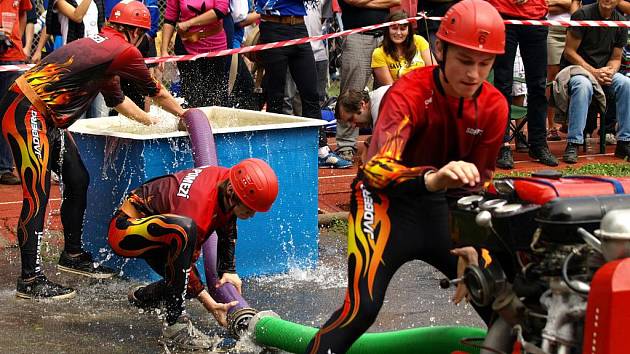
(384, 232)
(36, 147)
(166, 242)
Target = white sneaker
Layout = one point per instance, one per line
(54, 178)
(610, 139)
(184, 335)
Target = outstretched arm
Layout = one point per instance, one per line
(165, 100)
(130, 110)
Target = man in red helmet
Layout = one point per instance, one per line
(437, 135)
(51, 96)
(166, 221)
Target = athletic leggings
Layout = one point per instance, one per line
(166, 242)
(384, 232)
(36, 145)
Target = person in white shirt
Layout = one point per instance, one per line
(360, 109)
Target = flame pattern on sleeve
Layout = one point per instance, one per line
(385, 168)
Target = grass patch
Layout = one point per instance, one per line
(339, 226)
(333, 89)
(599, 169)
(602, 169)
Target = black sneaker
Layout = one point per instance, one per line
(622, 150)
(571, 153)
(147, 297)
(83, 264)
(505, 159)
(543, 155)
(9, 178)
(42, 288)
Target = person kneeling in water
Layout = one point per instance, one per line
(166, 221)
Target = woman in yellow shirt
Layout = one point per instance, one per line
(400, 52)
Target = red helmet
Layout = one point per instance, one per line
(131, 13)
(474, 24)
(255, 183)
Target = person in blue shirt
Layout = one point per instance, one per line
(154, 10)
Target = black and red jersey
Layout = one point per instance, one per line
(69, 78)
(420, 127)
(193, 193)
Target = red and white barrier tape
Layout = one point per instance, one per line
(254, 48)
(259, 47)
(560, 23)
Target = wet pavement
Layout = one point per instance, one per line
(100, 320)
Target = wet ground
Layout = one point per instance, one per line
(100, 320)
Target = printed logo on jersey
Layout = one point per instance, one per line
(187, 182)
(368, 213)
(98, 38)
(474, 131)
(37, 146)
(372, 228)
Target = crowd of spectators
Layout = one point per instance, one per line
(572, 76)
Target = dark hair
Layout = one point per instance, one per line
(351, 101)
(124, 28)
(409, 45)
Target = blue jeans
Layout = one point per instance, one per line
(581, 95)
(6, 79)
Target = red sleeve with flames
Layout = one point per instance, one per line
(398, 118)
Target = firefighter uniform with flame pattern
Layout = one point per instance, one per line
(171, 218)
(393, 218)
(47, 98)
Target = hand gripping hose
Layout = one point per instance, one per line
(205, 154)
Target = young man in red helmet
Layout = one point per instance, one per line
(51, 96)
(167, 220)
(438, 133)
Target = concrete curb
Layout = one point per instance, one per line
(328, 218)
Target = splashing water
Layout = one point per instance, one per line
(220, 117)
(166, 124)
(323, 277)
(245, 344)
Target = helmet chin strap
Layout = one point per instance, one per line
(126, 33)
(442, 62)
(233, 200)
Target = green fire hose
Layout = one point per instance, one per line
(271, 331)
